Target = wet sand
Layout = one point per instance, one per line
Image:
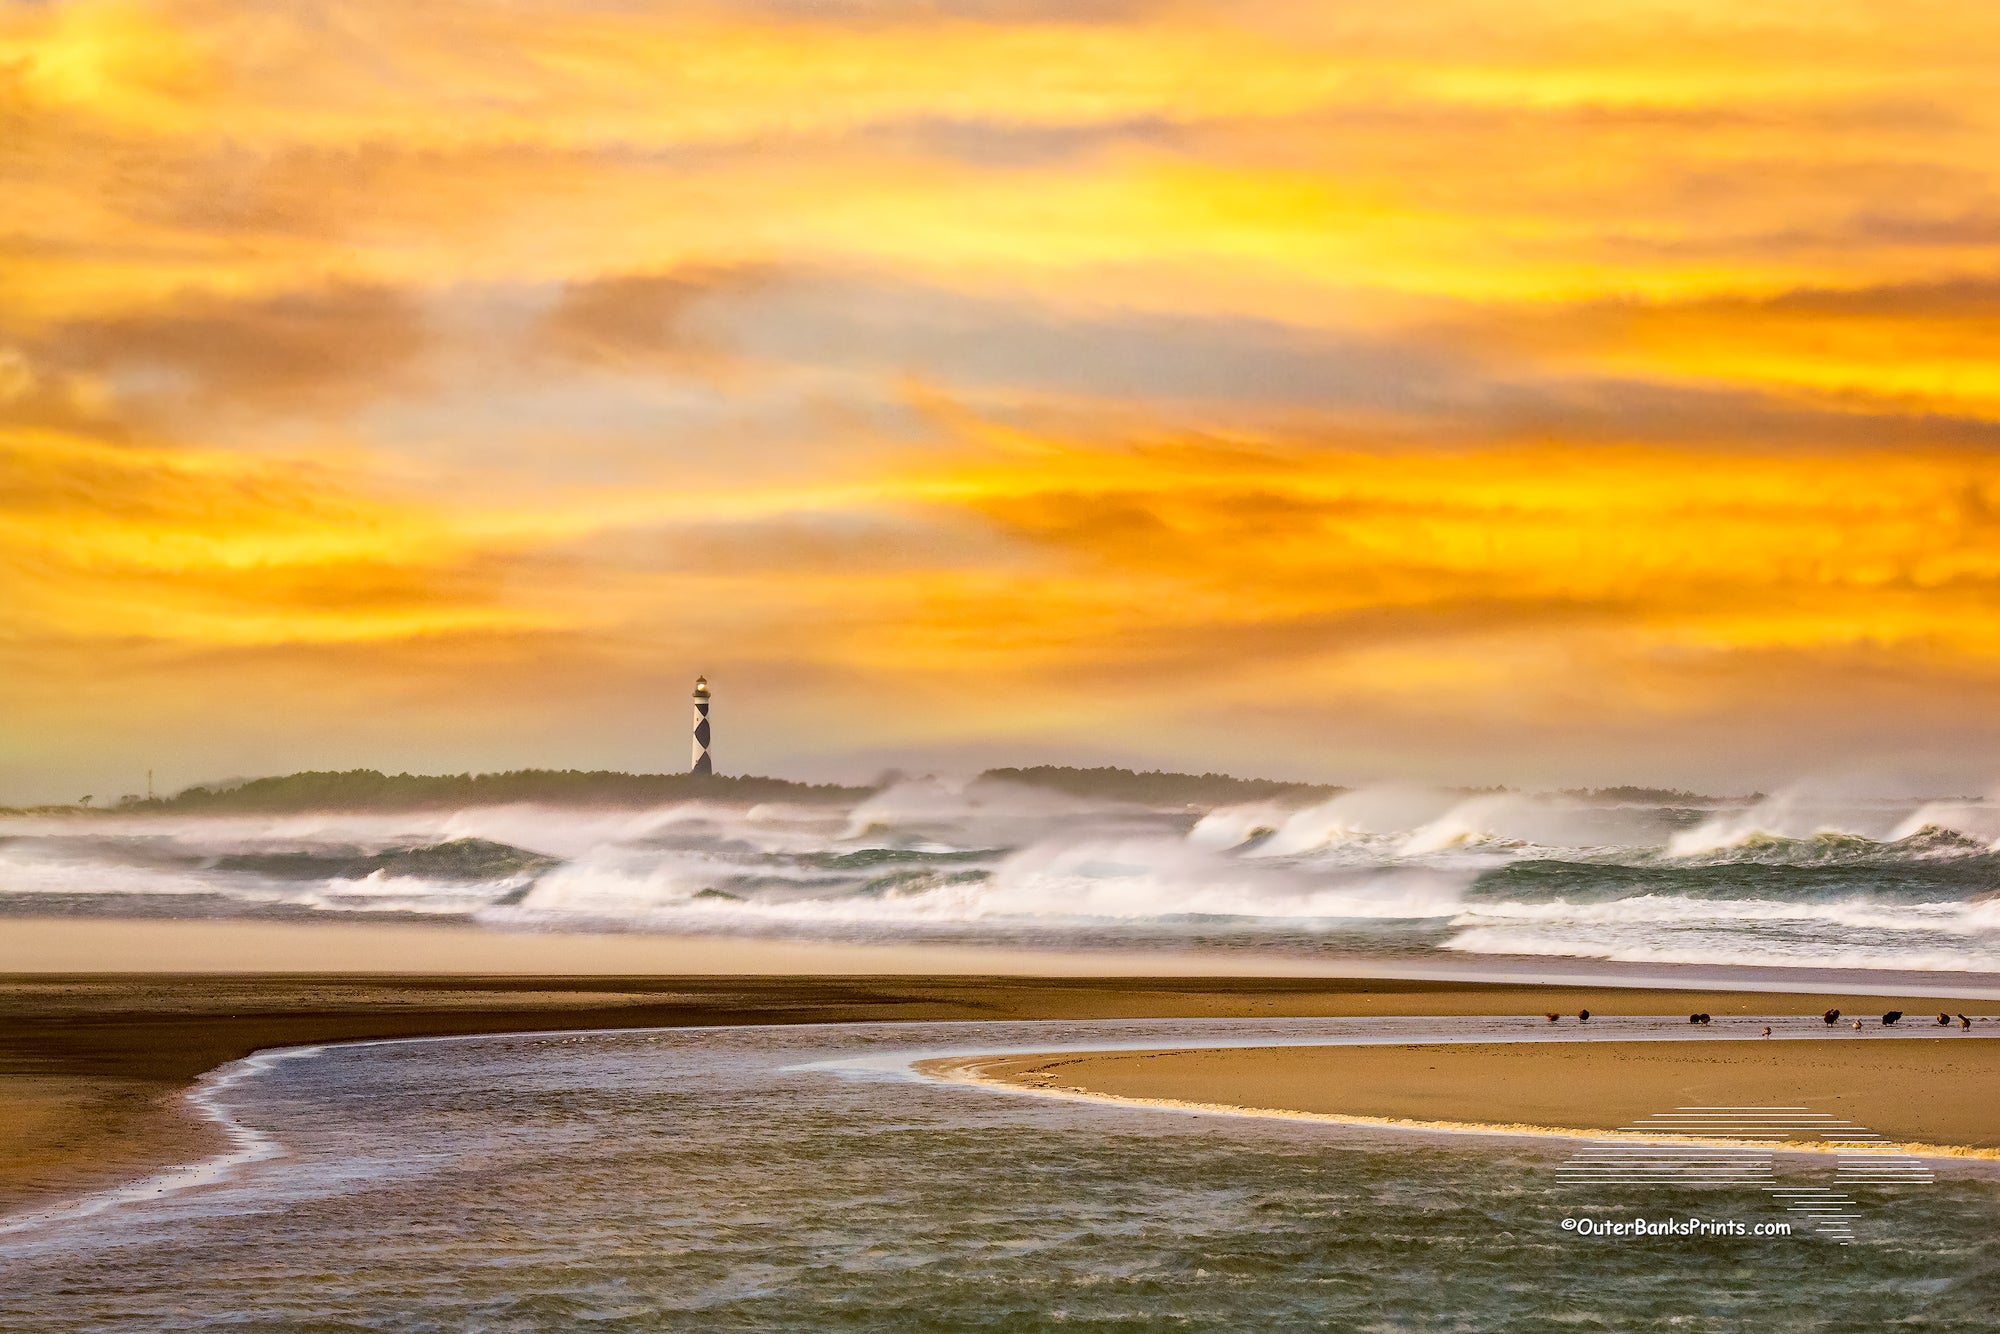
(92, 1068)
(1941, 1090)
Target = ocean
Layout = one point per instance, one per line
(1803, 879)
(803, 1178)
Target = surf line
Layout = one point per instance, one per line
(245, 1145)
(967, 1071)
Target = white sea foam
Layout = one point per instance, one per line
(1382, 812)
(1805, 813)
(35, 870)
(554, 831)
(1234, 826)
(1137, 878)
(981, 812)
(1140, 878)
(1721, 948)
(1005, 858)
(1975, 820)
(1860, 914)
(1402, 822)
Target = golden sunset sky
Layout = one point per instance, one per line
(1533, 392)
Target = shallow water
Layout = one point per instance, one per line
(799, 1178)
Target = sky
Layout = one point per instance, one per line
(1539, 392)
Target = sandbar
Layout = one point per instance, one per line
(1937, 1091)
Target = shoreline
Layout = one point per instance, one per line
(95, 1071)
(79, 947)
(232, 1144)
(1594, 1087)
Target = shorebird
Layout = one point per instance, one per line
(1857, 1025)
(1832, 1017)
(1944, 1021)
(1583, 1016)
(1554, 1017)
(1964, 1023)
(1767, 1030)
(1892, 1017)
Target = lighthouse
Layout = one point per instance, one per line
(702, 764)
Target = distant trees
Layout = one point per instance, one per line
(1649, 796)
(1660, 796)
(371, 789)
(1158, 788)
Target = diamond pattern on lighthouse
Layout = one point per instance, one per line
(702, 763)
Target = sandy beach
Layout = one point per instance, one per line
(94, 1060)
(1933, 1091)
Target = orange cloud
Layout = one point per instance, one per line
(1573, 365)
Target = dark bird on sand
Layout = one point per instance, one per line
(1832, 1017)
(1892, 1016)
(1963, 1022)
(1698, 1018)
(1857, 1025)
(1554, 1017)
(1944, 1020)
(1583, 1016)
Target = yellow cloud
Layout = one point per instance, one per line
(130, 543)
(1469, 350)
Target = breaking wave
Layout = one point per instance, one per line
(1725, 950)
(1836, 881)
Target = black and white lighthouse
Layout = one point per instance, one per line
(702, 764)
